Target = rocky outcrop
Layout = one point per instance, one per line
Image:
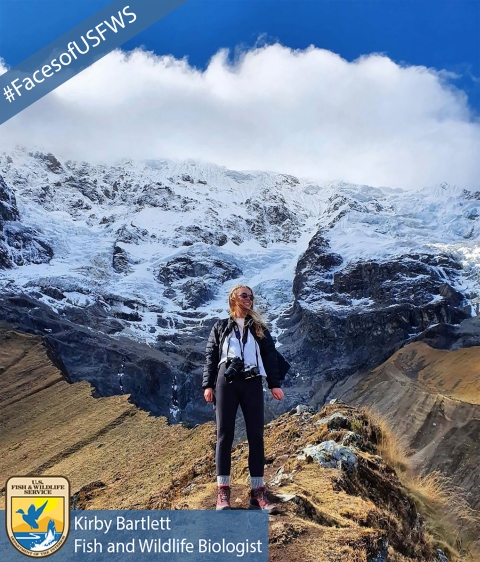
(132, 234)
(122, 262)
(19, 245)
(353, 316)
(270, 219)
(325, 489)
(191, 234)
(111, 366)
(457, 336)
(192, 278)
(50, 161)
(8, 205)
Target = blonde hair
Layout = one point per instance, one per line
(235, 305)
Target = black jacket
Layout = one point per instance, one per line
(220, 331)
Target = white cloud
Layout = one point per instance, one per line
(308, 113)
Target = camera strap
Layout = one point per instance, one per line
(243, 340)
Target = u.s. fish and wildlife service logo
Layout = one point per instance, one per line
(37, 513)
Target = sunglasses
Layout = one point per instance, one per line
(246, 296)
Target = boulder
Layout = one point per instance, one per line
(332, 455)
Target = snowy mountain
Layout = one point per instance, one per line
(125, 267)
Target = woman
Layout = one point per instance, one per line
(240, 355)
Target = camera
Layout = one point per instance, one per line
(251, 372)
(234, 368)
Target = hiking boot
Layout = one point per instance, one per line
(259, 500)
(223, 498)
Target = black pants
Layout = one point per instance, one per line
(228, 396)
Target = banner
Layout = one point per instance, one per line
(76, 50)
(144, 536)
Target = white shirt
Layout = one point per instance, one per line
(251, 351)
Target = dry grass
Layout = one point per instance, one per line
(452, 523)
(391, 446)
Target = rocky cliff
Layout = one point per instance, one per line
(19, 244)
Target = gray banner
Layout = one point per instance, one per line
(76, 50)
(143, 536)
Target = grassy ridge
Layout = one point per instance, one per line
(118, 457)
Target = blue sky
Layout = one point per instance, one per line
(444, 34)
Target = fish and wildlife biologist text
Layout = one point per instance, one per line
(237, 544)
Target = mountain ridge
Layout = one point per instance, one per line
(143, 255)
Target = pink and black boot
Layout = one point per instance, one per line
(259, 500)
(223, 498)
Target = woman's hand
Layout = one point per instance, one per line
(208, 394)
(277, 393)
